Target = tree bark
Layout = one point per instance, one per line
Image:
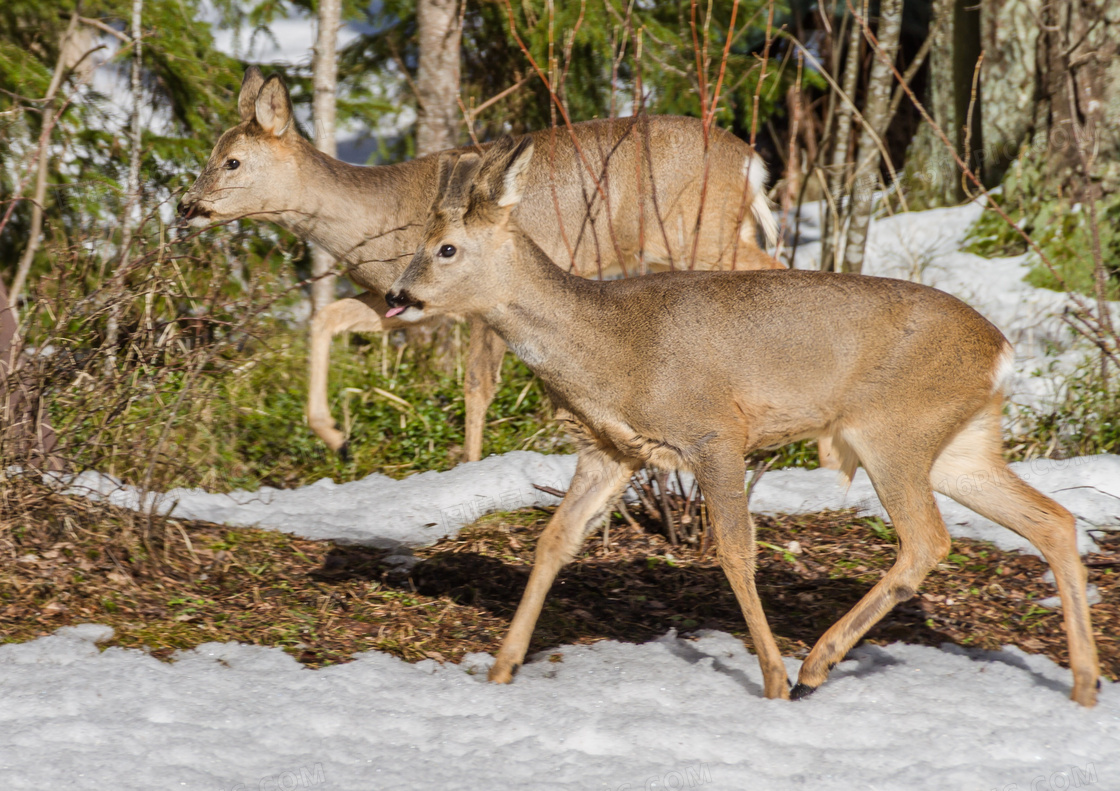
(1010, 34)
(437, 125)
(132, 209)
(876, 107)
(927, 161)
(325, 78)
(437, 80)
(838, 167)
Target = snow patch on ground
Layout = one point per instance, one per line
(1089, 486)
(421, 509)
(377, 510)
(670, 713)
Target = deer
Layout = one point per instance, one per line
(695, 370)
(606, 197)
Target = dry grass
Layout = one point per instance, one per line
(69, 561)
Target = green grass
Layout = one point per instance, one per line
(400, 415)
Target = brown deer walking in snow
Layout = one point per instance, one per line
(650, 170)
(695, 370)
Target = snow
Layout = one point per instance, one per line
(286, 44)
(419, 510)
(1089, 486)
(670, 713)
(377, 510)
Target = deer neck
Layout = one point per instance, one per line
(551, 319)
(366, 217)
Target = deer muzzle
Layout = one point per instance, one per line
(399, 301)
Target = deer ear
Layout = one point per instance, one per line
(250, 87)
(510, 170)
(274, 106)
(447, 160)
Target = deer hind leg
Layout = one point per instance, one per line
(972, 471)
(902, 484)
(484, 364)
(722, 484)
(353, 314)
(599, 479)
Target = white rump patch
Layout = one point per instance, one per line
(754, 171)
(1004, 368)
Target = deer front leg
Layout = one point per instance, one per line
(599, 478)
(721, 480)
(363, 313)
(484, 363)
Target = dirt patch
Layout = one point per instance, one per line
(174, 585)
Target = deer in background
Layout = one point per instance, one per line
(694, 370)
(370, 218)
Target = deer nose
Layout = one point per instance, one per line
(398, 301)
(185, 209)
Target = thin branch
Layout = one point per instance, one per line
(49, 118)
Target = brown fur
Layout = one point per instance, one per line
(695, 370)
(370, 218)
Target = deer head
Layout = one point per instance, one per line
(252, 162)
(464, 262)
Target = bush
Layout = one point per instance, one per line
(1086, 420)
(1061, 229)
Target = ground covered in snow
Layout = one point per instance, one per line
(379, 511)
(667, 714)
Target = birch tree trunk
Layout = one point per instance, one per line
(875, 112)
(838, 167)
(437, 80)
(325, 77)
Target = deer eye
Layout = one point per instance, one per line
(232, 164)
(447, 251)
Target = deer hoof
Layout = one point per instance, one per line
(344, 452)
(801, 691)
(501, 673)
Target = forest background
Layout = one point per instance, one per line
(170, 358)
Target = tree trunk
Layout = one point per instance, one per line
(437, 80)
(437, 125)
(132, 209)
(838, 167)
(876, 108)
(928, 163)
(1010, 39)
(325, 77)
